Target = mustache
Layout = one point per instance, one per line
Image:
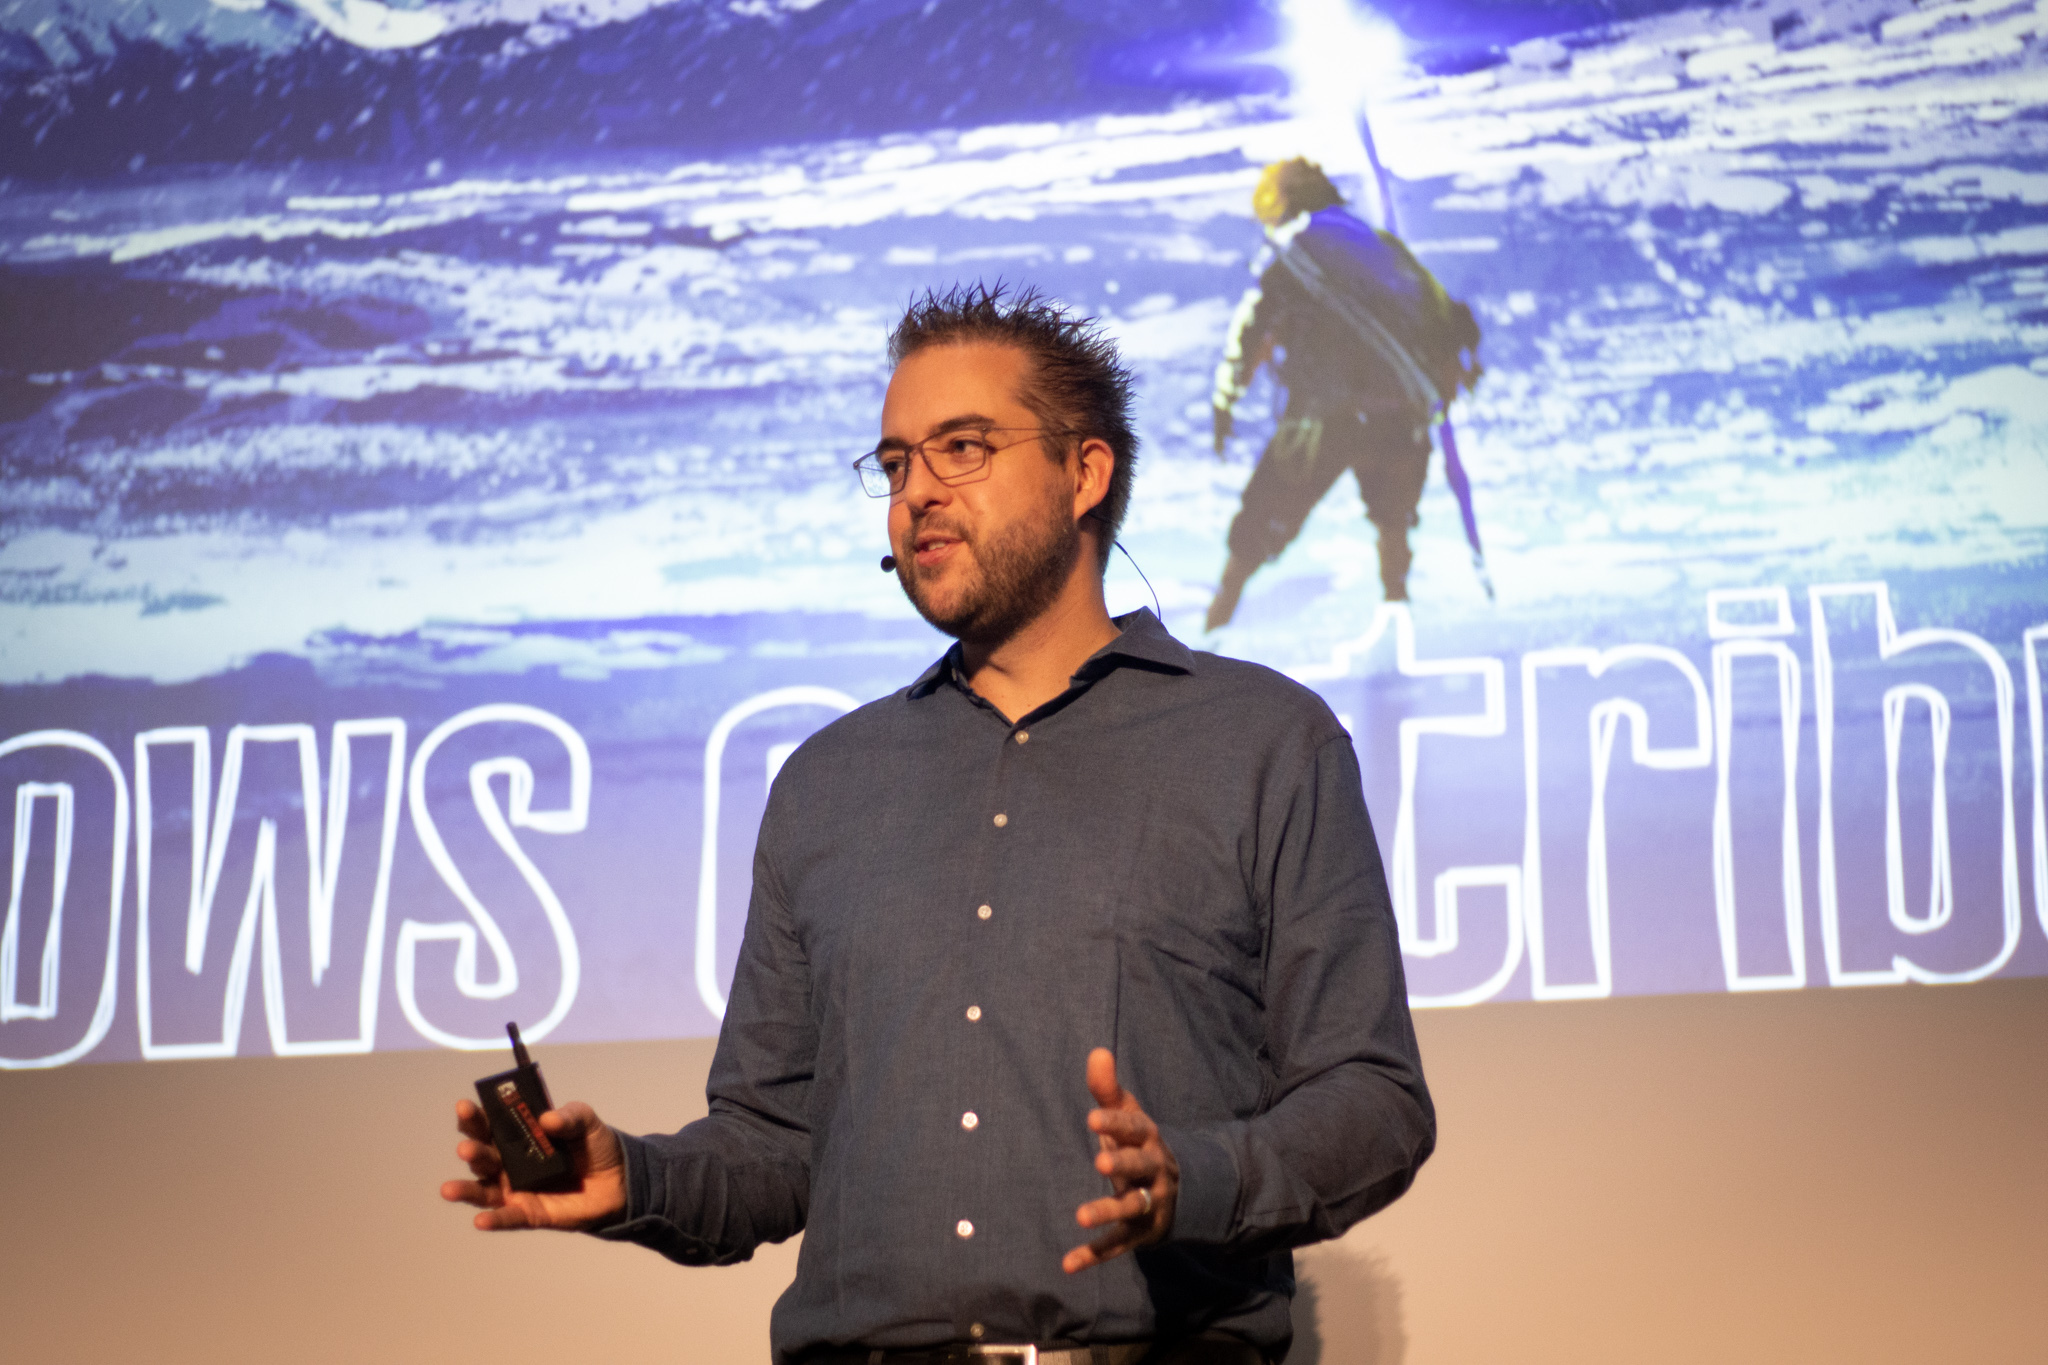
(935, 524)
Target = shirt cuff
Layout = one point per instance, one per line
(629, 1226)
(646, 1223)
(1207, 1201)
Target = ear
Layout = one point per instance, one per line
(1093, 465)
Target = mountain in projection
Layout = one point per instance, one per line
(114, 88)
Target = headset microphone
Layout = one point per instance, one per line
(888, 563)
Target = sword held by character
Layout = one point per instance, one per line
(1370, 350)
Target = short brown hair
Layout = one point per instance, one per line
(1078, 389)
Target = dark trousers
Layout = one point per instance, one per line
(1387, 455)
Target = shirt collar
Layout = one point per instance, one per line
(1141, 638)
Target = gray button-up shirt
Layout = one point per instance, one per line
(1171, 859)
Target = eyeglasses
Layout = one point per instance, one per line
(952, 457)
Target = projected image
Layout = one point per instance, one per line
(1369, 350)
(428, 520)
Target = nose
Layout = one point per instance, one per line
(921, 487)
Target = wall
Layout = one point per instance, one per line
(1820, 1176)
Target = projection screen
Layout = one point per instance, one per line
(428, 522)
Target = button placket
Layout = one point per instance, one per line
(990, 860)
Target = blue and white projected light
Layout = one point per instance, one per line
(428, 524)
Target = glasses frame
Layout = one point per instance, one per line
(871, 462)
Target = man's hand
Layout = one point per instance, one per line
(1224, 425)
(598, 1198)
(1137, 1162)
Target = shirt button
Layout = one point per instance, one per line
(1023, 736)
(963, 1229)
(974, 1014)
(1002, 820)
(985, 911)
(977, 1331)
(970, 1120)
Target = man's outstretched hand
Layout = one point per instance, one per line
(598, 1198)
(1139, 1166)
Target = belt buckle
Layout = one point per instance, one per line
(1028, 1355)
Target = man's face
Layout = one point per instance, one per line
(981, 558)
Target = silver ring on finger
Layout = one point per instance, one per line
(1145, 1194)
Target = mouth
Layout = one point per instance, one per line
(932, 547)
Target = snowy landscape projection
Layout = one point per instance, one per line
(427, 519)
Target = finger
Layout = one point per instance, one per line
(572, 1122)
(484, 1196)
(1107, 1247)
(1133, 1165)
(505, 1218)
(471, 1121)
(482, 1159)
(1102, 1079)
(1119, 1208)
(1123, 1127)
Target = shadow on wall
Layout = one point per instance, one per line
(1347, 1309)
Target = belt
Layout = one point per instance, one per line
(1192, 1351)
(990, 1354)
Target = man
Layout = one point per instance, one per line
(1370, 350)
(1074, 856)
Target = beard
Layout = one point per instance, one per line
(1017, 573)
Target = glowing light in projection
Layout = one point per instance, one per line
(1336, 57)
